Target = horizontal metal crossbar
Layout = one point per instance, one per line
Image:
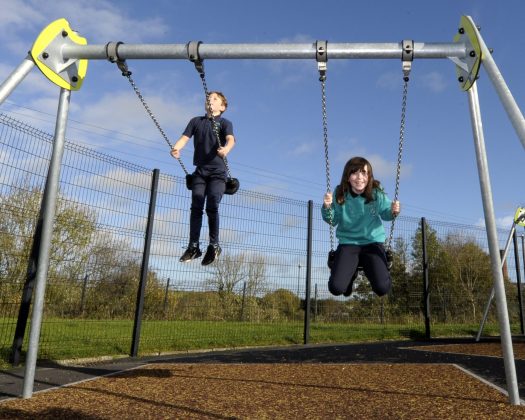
(268, 51)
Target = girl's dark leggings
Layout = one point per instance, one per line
(371, 257)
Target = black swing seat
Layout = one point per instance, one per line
(232, 184)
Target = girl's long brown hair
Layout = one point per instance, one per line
(355, 164)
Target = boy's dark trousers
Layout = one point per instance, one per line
(208, 186)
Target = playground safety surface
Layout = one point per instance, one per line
(397, 379)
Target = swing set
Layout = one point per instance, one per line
(407, 56)
(61, 54)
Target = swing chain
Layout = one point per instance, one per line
(112, 53)
(322, 58)
(194, 57)
(407, 57)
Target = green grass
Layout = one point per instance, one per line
(80, 339)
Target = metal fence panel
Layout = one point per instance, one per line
(255, 292)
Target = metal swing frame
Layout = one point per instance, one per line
(61, 54)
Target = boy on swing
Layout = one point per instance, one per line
(209, 178)
(359, 208)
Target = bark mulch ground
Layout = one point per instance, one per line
(388, 380)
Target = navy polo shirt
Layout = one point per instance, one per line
(205, 141)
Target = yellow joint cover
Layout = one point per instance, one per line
(47, 55)
(519, 217)
(467, 69)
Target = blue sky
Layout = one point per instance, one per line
(275, 105)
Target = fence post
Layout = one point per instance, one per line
(426, 297)
(309, 241)
(27, 292)
(83, 295)
(315, 302)
(241, 317)
(165, 305)
(518, 277)
(139, 308)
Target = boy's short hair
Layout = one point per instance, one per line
(223, 98)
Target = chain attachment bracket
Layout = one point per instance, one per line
(192, 49)
(407, 56)
(321, 55)
(113, 57)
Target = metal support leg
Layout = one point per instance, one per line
(492, 237)
(15, 78)
(503, 91)
(47, 230)
(492, 292)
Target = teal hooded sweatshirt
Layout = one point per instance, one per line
(359, 223)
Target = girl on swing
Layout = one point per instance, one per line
(358, 210)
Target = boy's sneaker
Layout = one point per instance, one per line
(191, 253)
(213, 251)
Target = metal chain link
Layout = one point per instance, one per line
(322, 79)
(399, 154)
(153, 118)
(214, 122)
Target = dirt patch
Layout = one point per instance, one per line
(276, 391)
(475, 349)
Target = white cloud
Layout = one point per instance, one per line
(165, 222)
(291, 72)
(382, 168)
(297, 39)
(267, 188)
(388, 81)
(31, 171)
(115, 180)
(291, 222)
(434, 81)
(304, 149)
(501, 222)
(99, 21)
(18, 14)
(124, 113)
